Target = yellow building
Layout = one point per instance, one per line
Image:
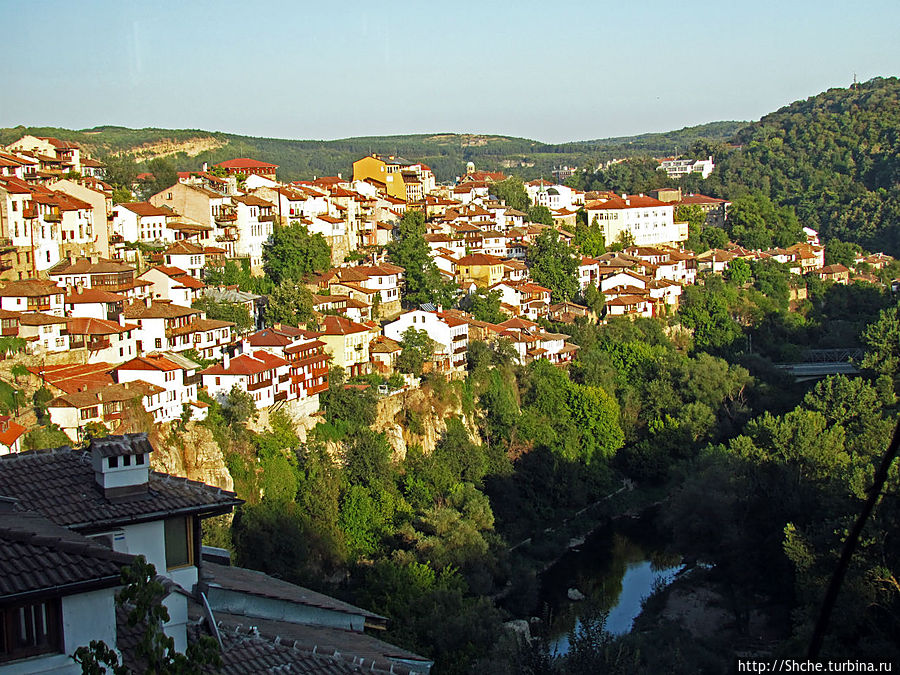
(384, 170)
(479, 268)
(347, 342)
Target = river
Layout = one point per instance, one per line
(616, 568)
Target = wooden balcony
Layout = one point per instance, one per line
(97, 345)
(268, 218)
(256, 386)
(281, 396)
(52, 217)
(317, 389)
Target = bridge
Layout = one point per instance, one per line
(817, 363)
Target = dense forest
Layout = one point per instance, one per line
(834, 158)
(447, 154)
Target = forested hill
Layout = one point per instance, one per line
(835, 157)
(446, 154)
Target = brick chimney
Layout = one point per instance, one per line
(122, 465)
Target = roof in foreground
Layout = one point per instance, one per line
(37, 555)
(244, 580)
(60, 485)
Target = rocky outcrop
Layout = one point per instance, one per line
(192, 453)
(418, 417)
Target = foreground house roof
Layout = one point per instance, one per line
(38, 556)
(68, 495)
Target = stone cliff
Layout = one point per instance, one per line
(418, 417)
(193, 454)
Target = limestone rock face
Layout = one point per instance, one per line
(195, 455)
(417, 417)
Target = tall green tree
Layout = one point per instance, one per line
(512, 192)
(554, 264)
(416, 350)
(225, 311)
(293, 253)
(409, 250)
(290, 303)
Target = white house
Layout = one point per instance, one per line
(174, 373)
(450, 333)
(142, 222)
(173, 284)
(261, 374)
(645, 220)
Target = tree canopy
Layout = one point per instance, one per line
(293, 253)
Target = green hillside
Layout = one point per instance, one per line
(834, 157)
(445, 153)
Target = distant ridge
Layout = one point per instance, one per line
(445, 153)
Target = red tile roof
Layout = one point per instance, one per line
(91, 326)
(245, 163)
(145, 209)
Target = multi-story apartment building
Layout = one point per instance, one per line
(643, 220)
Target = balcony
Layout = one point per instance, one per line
(97, 345)
(270, 218)
(317, 389)
(116, 239)
(190, 380)
(230, 234)
(280, 396)
(226, 217)
(52, 217)
(283, 378)
(256, 386)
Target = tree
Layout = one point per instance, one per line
(293, 253)
(713, 237)
(595, 300)
(17, 371)
(738, 272)
(416, 350)
(238, 408)
(589, 238)
(164, 176)
(694, 216)
(553, 264)
(223, 310)
(839, 252)
(409, 250)
(512, 192)
(882, 339)
(291, 303)
(40, 399)
(484, 305)
(142, 597)
(540, 214)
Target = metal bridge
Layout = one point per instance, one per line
(817, 363)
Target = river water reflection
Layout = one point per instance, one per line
(616, 568)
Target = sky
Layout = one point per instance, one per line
(550, 71)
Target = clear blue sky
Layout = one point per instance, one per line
(552, 71)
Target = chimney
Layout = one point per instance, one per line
(148, 301)
(226, 360)
(121, 318)
(94, 258)
(340, 176)
(121, 465)
(205, 167)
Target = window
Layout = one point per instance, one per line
(113, 462)
(28, 630)
(179, 547)
(158, 343)
(88, 413)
